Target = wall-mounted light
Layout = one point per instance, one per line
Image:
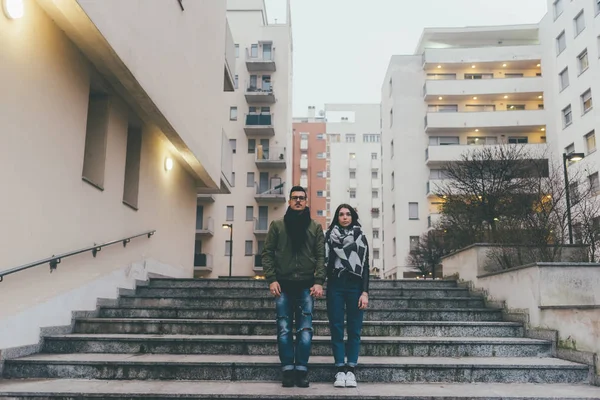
(439, 66)
(474, 97)
(504, 65)
(440, 98)
(13, 9)
(506, 97)
(473, 66)
(168, 164)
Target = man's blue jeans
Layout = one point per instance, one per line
(298, 305)
(342, 298)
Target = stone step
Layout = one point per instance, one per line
(259, 283)
(255, 293)
(239, 302)
(321, 345)
(267, 368)
(268, 327)
(406, 314)
(77, 389)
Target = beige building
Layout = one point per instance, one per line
(259, 125)
(110, 127)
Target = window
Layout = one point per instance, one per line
(233, 144)
(583, 61)
(254, 51)
(567, 116)
(515, 107)
(352, 174)
(321, 155)
(375, 233)
(250, 179)
(350, 138)
(248, 247)
(229, 214)
(352, 193)
(479, 76)
(374, 175)
(438, 174)
(413, 210)
(227, 247)
(233, 113)
(590, 141)
(249, 213)
(320, 193)
(392, 149)
(559, 6)
(480, 107)
(597, 6)
(570, 148)
(369, 138)
(443, 140)
(320, 213)
(586, 101)
(482, 140)
(579, 23)
(393, 181)
(513, 75)
(391, 87)
(233, 179)
(574, 192)
(594, 183)
(413, 242)
(561, 43)
(442, 108)
(132, 167)
(320, 136)
(373, 156)
(564, 79)
(517, 139)
(393, 213)
(236, 82)
(375, 254)
(352, 156)
(394, 246)
(441, 77)
(304, 136)
(391, 117)
(94, 158)
(237, 51)
(251, 146)
(374, 194)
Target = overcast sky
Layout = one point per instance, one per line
(342, 47)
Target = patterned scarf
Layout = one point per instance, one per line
(350, 247)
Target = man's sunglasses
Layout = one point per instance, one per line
(299, 198)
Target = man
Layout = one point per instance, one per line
(294, 264)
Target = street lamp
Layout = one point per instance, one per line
(570, 157)
(230, 227)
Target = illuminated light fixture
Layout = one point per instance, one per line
(473, 66)
(543, 129)
(475, 98)
(439, 66)
(13, 9)
(440, 98)
(540, 97)
(539, 65)
(168, 164)
(506, 97)
(476, 130)
(504, 65)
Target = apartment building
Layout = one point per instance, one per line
(463, 87)
(354, 169)
(570, 34)
(109, 129)
(310, 162)
(259, 124)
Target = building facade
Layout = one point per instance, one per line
(110, 136)
(259, 125)
(463, 87)
(354, 169)
(310, 162)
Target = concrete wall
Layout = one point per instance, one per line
(48, 209)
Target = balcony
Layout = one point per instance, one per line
(207, 228)
(303, 144)
(435, 186)
(505, 121)
(205, 198)
(257, 263)
(304, 182)
(270, 196)
(376, 183)
(376, 203)
(352, 184)
(376, 243)
(203, 262)
(376, 223)
(261, 226)
(433, 219)
(259, 125)
(261, 62)
(476, 87)
(528, 54)
(303, 163)
(445, 154)
(260, 94)
(270, 158)
(229, 84)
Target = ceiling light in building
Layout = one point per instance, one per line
(504, 65)
(440, 98)
(168, 164)
(540, 97)
(539, 65)
(439, 66)
(473, 66)
(13, 9)
(543, 129)
(506, 97)
(475, 98)
(476, 130)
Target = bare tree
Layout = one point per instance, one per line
(427, 253)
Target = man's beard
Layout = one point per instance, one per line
(296, 223)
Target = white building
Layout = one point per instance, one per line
(259, 125)
(570, 33)
(354, 168)
(462, 87)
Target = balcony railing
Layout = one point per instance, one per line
(207, 227)
(257, 93)
(203, 261)
(261, 226)
(259, 124)
(270, 157)
(261, 61)
(275, 194)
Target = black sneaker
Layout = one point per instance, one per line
(288, 378)
(302, 379)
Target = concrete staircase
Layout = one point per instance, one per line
(200, 339)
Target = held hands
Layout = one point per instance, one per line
(316, 291)
(363, 301)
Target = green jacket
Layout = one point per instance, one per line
(280, 263)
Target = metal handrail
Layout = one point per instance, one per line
(55, 260)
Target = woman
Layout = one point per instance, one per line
(347, 257)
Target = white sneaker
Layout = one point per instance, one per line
(350, 380)
(340, 380)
